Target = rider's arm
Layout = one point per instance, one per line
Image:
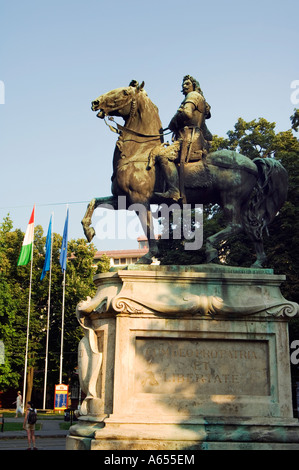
(182, 116)
(187, 110)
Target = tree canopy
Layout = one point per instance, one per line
(256, 138)
(14, 294)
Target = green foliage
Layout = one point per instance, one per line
(103, 264)
(14, 294)
(295, 120)
(8, 307)
(256, 138)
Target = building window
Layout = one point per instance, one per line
(116, 261)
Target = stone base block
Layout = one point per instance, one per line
(185, 358)
(205, 434)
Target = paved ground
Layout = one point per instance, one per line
(50, 437)
(55, 443)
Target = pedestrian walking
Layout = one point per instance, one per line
(19, 404)
(29, 424)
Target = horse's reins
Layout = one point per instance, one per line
(131, 131)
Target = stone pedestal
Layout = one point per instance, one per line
(185, 358)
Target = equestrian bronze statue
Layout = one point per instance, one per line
(147, 171)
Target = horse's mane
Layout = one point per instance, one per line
(148, 113)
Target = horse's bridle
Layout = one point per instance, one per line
(131, 131)
(121, 128)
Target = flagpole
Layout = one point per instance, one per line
(48, 316)
(27, 334)
(63, 261)
(62, 329)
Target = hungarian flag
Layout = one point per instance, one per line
(26, 251)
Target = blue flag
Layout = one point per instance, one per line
(47, 262)
(63, 253)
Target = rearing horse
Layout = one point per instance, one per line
(250, 192)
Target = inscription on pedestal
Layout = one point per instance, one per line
(201, 366)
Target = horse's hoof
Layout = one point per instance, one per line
(214, 261)
(212, 256)
(144, 260)
(89, 233)
(257, 265)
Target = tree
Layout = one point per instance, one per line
(103, 264)
(256, 138)
(14, 293)
(9, 377)
(295, 120)
(79, 285)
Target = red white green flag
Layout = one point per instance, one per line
(26, 251)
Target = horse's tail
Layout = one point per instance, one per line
(267, 197)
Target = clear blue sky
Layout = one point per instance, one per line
(55, 57)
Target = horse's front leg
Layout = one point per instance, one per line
(94, 203)
(86, 221)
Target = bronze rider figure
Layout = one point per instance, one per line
(191, 138)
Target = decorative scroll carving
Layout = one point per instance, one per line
(126, 305)
(289, 309)
(95, 304)
(202, 304)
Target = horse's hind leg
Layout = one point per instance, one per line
(214, 241)
(260, 254)
(232, 211)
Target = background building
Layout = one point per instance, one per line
(124, 257)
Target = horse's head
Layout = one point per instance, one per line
(117, 102)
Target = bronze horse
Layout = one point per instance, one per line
(249, 192)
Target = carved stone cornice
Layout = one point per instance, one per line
(194, 290)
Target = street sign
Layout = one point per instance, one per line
(61, 397)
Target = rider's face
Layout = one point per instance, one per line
(187, 87)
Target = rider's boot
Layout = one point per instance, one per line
(172, 180)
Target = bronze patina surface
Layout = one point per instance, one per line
(147, 172)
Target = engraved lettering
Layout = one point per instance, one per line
(201, 366)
